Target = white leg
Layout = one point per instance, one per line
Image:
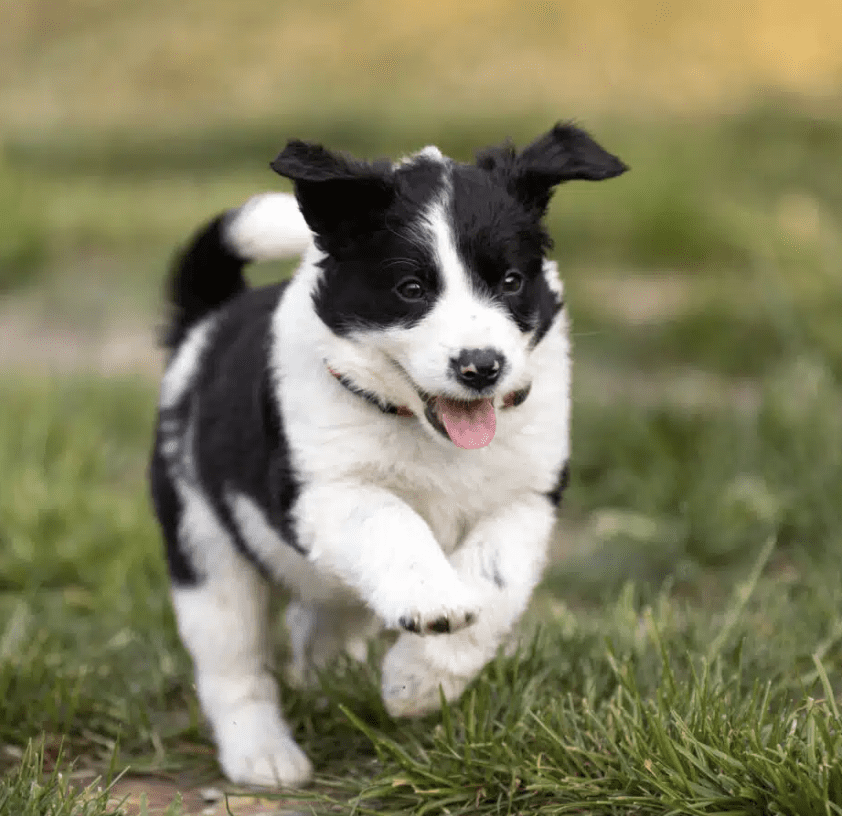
(223, 625)
(319, 633)
(501, 560)
(381, 548)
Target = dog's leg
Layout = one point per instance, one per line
(381, 548)
(222, 622)
(501, 560)
(319, 633)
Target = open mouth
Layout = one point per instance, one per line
(468, 424)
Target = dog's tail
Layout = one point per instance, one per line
(210, 270)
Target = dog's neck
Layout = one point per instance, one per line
(369, 396)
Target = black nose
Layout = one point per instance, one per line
(478, 368)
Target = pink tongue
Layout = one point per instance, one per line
(468, 424)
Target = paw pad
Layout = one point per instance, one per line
(440, 626)
(410, 624)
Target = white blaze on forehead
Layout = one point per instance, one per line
(430, 152)
(442, 241)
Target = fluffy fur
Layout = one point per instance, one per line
(386, 434)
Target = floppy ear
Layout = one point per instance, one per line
(334, 192)
(564, 154)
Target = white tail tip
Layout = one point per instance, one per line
(268, 227)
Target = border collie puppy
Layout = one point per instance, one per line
(386, 434)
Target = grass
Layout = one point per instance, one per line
(35, 791)
(23, 231)
(692, 736)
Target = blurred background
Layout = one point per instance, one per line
(705, 286)
(698, 281)
(125, 123)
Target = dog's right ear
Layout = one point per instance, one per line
(336, 194)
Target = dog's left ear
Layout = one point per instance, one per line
(564, 154)
(336, 193)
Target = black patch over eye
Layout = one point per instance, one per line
(411, 289)
(512, 282)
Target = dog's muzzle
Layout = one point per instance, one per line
(469, 424)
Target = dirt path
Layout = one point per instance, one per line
(207, 801)
(150, 796)
(34, 344)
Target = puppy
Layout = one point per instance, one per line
(386, 434)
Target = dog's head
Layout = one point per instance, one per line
(435, 271)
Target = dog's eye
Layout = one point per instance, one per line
(512, 282)
(411, 289)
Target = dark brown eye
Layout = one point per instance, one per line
(512, 282)
(411, 289)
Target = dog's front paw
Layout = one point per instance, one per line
(438, 623)
(435, 609)
(256, 750)
(410, 682)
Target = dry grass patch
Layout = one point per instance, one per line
(87, 63)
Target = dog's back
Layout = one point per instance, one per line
(217, 336)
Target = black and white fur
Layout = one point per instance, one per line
(386, 434)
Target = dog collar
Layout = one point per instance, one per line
(370, 396)
(510, 400)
